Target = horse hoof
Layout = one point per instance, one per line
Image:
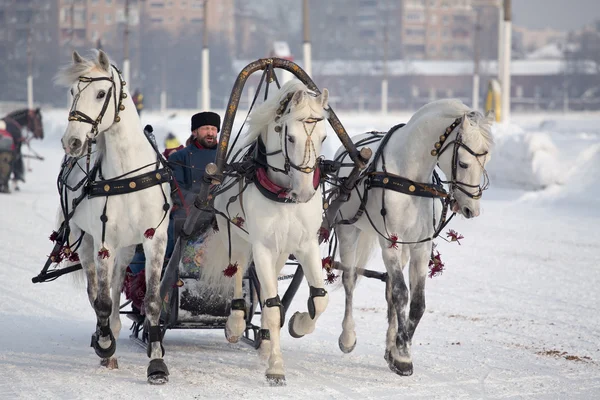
(110, 363)
(291, 326)
(231, 338)
(402, 368)
(276, 379)
(158, 373)
(345, 349)
(102, 352)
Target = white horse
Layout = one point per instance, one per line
(125, 200)
(446, 133)
(277, 214)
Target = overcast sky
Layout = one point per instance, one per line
(557, 14)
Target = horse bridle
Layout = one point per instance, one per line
(454, 183)
(309, 146)
(80, 116)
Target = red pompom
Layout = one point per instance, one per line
(323, 235)
(331, 277)
(230, 270)
(149, 234)
(103, 253)
(53, 236)
(394, 241)
(326, 263)
(454, 236)
(56, 256)
(238, 221)
(436, 266)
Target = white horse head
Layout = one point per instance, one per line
(98, 95)
(462, 156)
(292, 127)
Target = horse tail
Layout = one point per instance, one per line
(216, 272)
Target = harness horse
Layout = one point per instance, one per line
(114, 195)
(397, 204)
(281, 208)
(11, 142)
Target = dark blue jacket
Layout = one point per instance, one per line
(188, 166)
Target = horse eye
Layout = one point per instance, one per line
(463, 165)
(291, 139)
(101, 94)
(324, 137)
(72, 92)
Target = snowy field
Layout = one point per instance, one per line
(515, 314)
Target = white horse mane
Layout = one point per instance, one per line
(454, 108)
(70, 73)
(264, 114)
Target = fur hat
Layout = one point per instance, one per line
(206, 118)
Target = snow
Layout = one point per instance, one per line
(515, 314)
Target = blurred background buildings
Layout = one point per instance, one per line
(428, 48)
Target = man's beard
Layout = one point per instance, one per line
(207, 145)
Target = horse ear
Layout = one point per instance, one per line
(325, 98)
(298, 97)
(77, 59)
(465, 122)
(490, 116)
(103, 61)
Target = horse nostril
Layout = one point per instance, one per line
(74, 143)
(467, 212)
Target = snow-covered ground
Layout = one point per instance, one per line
(515, 314)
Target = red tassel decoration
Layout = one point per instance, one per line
(53, 236)
(56, 257)
(74, 257)
(103, 253)
(326, 263)
(454, 236)
(394, 241)
(436, 266)
(230, 270)
(331, 277)
(238, 221)
(323, 235)
(149, 234)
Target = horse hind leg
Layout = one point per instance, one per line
(348, 237)
(154, 249)
(304, 323)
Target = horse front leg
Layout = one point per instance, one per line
(419, 261)
(272, 311)
(348, 236)
(122, 261)
(103, 340)
(398, 343)
(304, 323)
(154, 249)
(264, 350)
(86, 256)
